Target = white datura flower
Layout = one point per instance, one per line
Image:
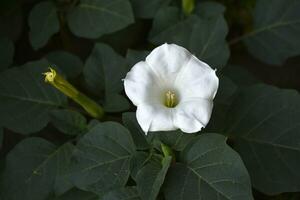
(172, 89)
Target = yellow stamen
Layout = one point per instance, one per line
(170, 100)
(50, 76)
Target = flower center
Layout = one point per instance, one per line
(50, 76)
(170, 99)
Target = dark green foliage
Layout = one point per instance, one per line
(68, 121)
(138, 135)
(103, 72)
(210, 169)
(89, 18)
(51, 149)
(275, 35)
(69, 64)
(264, 127)
(128, 193)
(151, 176)
(35, 163)
(101, 161)
(43, 23)
(26, 99)
(205, 37)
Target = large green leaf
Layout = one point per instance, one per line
(147, 9)
(103, 72)
(264, 128)
(210, 170)
(63, 161)
(43, 23)
(134, 56)
(169, 27)
(151, 177)
(26, 99)
(138, 160)
(115, 103)
(7, 50)
(275, 36)
(76, 194)
(225, 96)
(204, 37)
(207, 41)
(209, 9)
(93, 18)
(34, 168)
(240, 75)
(138, 135)
(68, 121)
(69, 64)
(102, 160)
(176, 140)
(127, 193)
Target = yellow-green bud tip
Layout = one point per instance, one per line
(50, 76)
(188, 6)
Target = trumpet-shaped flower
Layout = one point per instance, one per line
(172, 89)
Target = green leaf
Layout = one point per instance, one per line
(7, 50)
(76, 194)
(226, 91)
(115, 103)
(210, 170)
(93, 18)
(27, 98)
(62, 182)
(275, 36)
(134, 56)
(103, 72)
(127, 193)
(208, 41)
(138, 160)
(203, 37)
(176, 140)
(68, 121)
(147, 9)
(209, 9)
(239, 75)
(34, 168)
(70, 64)
(264, 127)
(169, 27)
(102, 160)
(151, 177)
(224, 98)
(93, 123)
(43, 23)
(138, 135)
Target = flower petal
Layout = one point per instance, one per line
(167, 60)
(197, 79)
(141, 84)
(155, 117)
(192, 115)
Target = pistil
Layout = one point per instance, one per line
(170, 99)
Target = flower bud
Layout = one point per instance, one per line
(56, 80)
(188, 6)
